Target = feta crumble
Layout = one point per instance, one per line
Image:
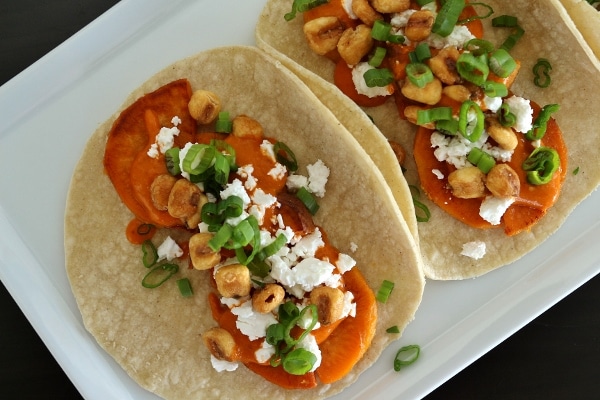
(358, 72)
(223, 365)
(475, 249)
(493, 208)
(169, 250)
(523, 112)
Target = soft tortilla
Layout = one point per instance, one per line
(575, 86)
(587, 21)
(155, 334)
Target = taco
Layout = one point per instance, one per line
(163, 324)
(586, 17)
(444, 238)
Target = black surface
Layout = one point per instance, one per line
(556, 356)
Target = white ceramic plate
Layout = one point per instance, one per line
(50, 110)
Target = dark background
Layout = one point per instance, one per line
(556, 356)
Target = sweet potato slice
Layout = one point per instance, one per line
(130, 138)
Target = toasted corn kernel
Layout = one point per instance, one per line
(322, 34)
(430, 94)
(390, 6)
(355, 43)
(443, 65)
(265, 299)
(233, 280)
(458, 93)
(204, 106)
(160, 189)
(503, 181)
(202, 256)
(467, 183)
(244, 126)
(329, 302)
(221, 344)
(411, 114)
(364, 11)
(183, 199)
(503, 135)
(418, 26)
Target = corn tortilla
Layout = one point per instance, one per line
(154, 334)
(575, 86)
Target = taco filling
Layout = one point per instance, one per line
(483, 155)
(287, 303)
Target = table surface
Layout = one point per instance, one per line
(554, 356)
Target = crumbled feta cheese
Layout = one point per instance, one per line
(236, 188)
(169, 250)
(318, 173)
(353, 247)
(303, 277)
(266, 148)
(493, 208)
(295, 182)
(454, 149)
(349, 308)
(459, 36)
(358, 73)
(223, 365)
(176, 121)
(492, 103)
(475, 249)
(264, 353)
(250, 323)
(261, 202)
(345, 263)
(347, 4)
(309, 244)
(278, 171)
(438, 173)
(246, 171)
(153, 151)
(310, 343)
(523, 112)
(182, 153)
(399, 20)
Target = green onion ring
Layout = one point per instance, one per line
(172, 161)
(463, 121)
(433, 114)
(419, 74)
(198, 158)
(223, 123)
(473, 69)
(412, 350)
(299, 361)
(505, 117)
(377, 57)
(288, 158)
(149, 253)
(501, 63)
(308, 200)
(381, 30)
(301, 6)
(385, 290)
(504, 21)
(159, 275)
(478, 47)
(447, 17)
(185, 287)
(541, 165)
(541, 122)
(490, 11)
(546, 67)
(378, 77)
(393, 329)
(495, 89)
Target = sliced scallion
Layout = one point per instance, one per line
(159, 275)
(149, 253)
(378, 77)
(185, 287)
(541, 122)
(419, 74)
(545, 67)
(447, 17)
(285, 156)
(541, 165)
(385, 290)
(308, 200)
(406, 356)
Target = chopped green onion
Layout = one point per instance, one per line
(495, 89)
(419, 206)
(149, 253)
(172, 160)
(222, 168)
(185, 287)
(423, 2)
(221, 237)
(541, 165)
(378, 77)
(242, 234)
(301, 6)
(576, 171)
(217, 213)
(144, 229)
(421, 53)
(478, 47)
(393, 329)
(158, 275)
(546, 67)
(288, 158)
(384, 291)
(481, 160)
(504, 21)
(377, 57)
(226, 150)
(198, 158)
(513, 38)
(505, 117)
(299, 361)
(308, 200)
(406, 356)
(419, 74)
(240, 253)
(434, 114)
(273, 247)
(258, 268)
(223, 124)
(473, 69)
(490, 11)
(501, 63)
(447, 126)
(381, 30)
(447, 17)
(541, 122)
(466, 127)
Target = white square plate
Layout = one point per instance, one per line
(51, 109)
